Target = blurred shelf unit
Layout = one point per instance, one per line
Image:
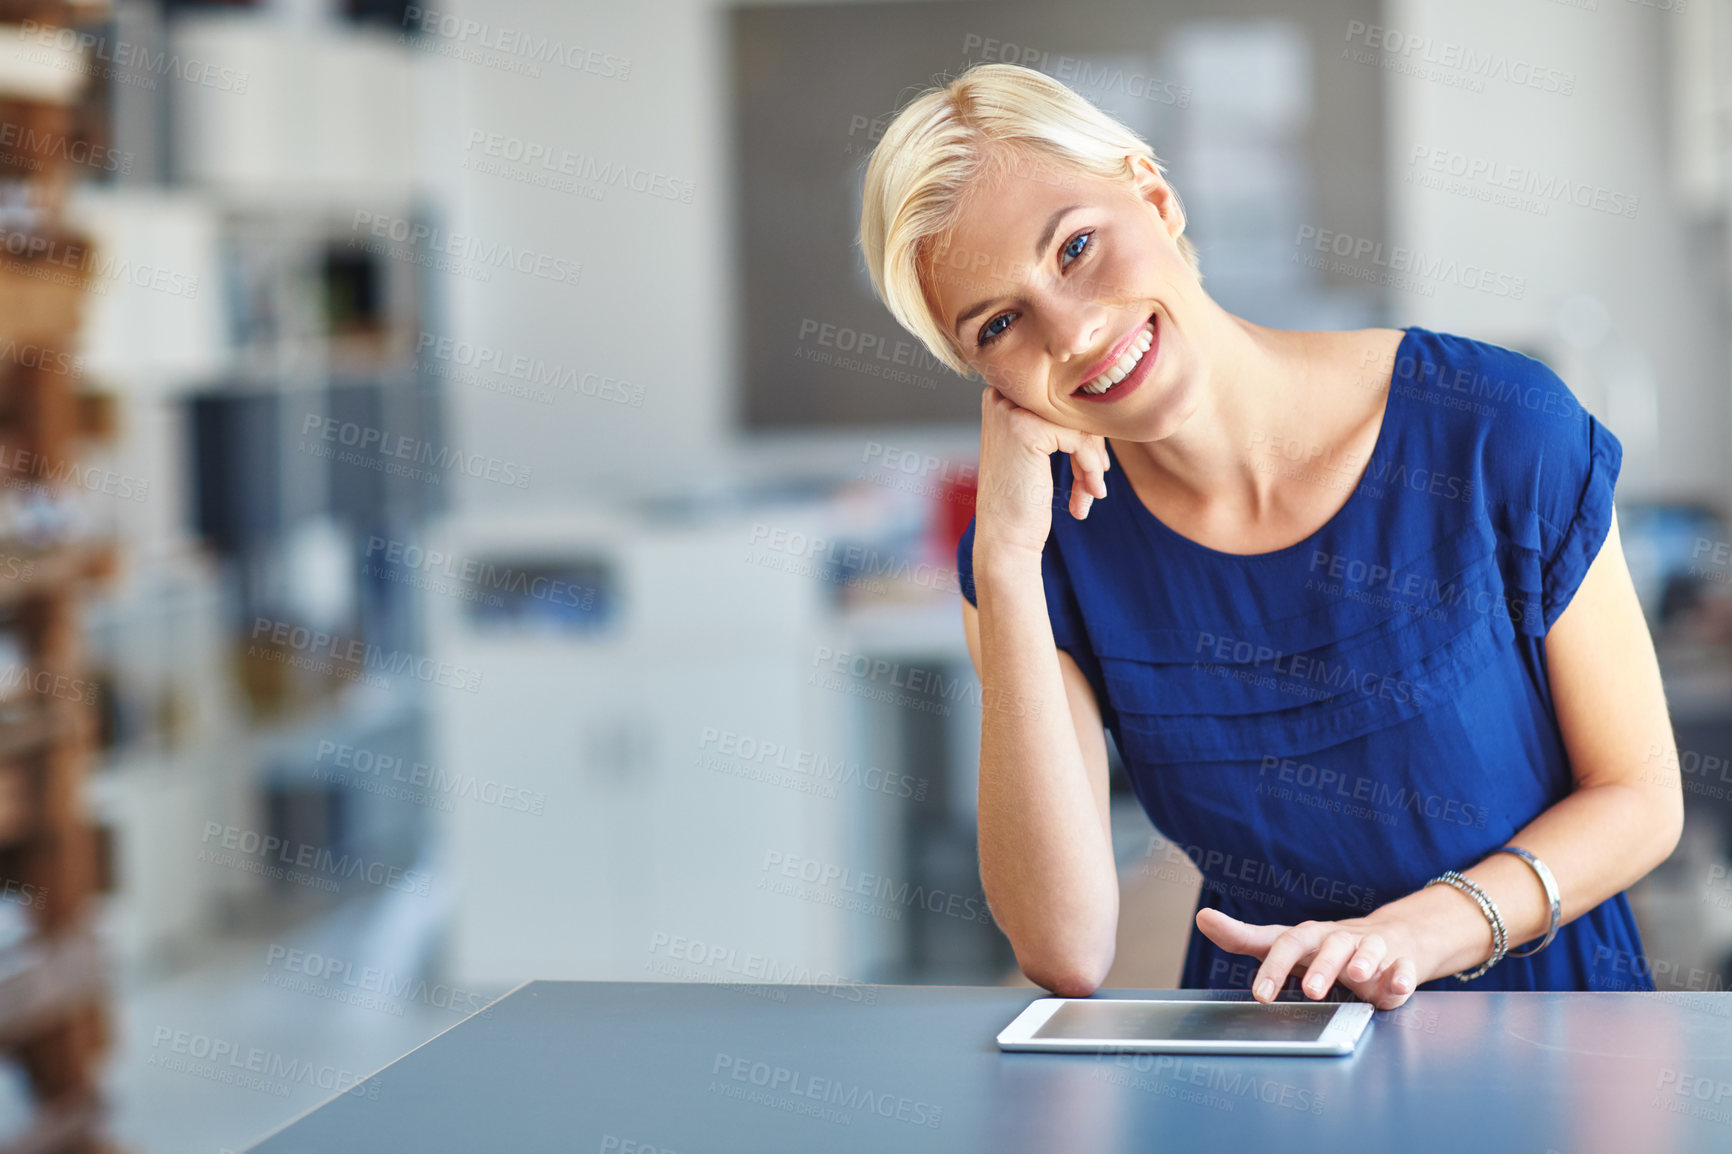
(279, 207)
(299, 114)
(55, 538)
(169, 737)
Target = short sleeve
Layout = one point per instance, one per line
(1587, 474)
(1553, 468)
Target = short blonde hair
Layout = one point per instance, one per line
(945, 140)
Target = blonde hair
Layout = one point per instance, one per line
(944, 141)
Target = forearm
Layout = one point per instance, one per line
(1046, 857)
(1597, 842)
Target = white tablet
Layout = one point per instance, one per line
(1188, 1026)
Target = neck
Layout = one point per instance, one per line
(1251, 388)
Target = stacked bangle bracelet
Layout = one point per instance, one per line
(1553, 900)
(1500, 936)
(1499, 941)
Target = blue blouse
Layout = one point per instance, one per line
(1323, 728)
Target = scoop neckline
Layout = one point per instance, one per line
(1379, 449)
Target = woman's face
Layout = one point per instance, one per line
(1054, 281)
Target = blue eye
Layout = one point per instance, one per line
(1073, 249)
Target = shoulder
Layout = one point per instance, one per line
(1517, 425)
(1517, 393)
(1520, 419)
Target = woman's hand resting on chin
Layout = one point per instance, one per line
(1014, 500)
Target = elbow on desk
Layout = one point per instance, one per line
(1068, 977)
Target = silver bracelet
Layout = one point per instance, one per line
(1487, 907)
(1551, 887)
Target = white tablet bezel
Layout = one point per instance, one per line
(1340, 1035)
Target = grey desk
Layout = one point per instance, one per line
(647, 1068)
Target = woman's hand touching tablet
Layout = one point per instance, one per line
(1376, 958)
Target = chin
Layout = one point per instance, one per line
(1166, 407)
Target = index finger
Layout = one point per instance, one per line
(1289, 949)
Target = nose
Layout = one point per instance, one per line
(1075, 330)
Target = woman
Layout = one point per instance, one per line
(1356, 612)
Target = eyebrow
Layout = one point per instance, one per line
(1039, 247)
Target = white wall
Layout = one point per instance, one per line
(652, 305)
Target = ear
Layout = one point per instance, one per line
(1153, 189)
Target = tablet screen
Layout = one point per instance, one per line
(1190, 1021)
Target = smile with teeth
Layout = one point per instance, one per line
(1122, 367)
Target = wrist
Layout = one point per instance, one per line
(1001, 562)
(1448, 931)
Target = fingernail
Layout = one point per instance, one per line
(1086, 502)
(1314, 986)
(1265, 989)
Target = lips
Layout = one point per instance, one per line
(1138, 372)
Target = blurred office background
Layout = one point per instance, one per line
(477, 523)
